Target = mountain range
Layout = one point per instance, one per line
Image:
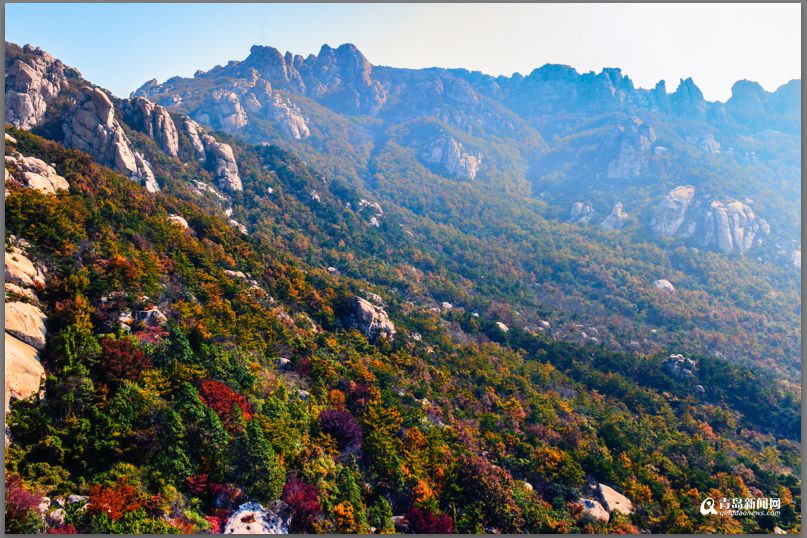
(281, 233)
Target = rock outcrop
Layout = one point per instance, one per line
(194, 132)
(370, 319)
(594, 510)
(217, 156)
(91, 126)
(252, 518)
(153, 120)
(680, 367)
(26, 322)
(221, 162)
(24, 329)
(21, 271)
(450, 155)
(731, 226)
(664, 285)
(581, 213)
(32, 82)
(613, 501)
(616, 219)
(35, 173)
(179, 221)
(23, 371)
(671, 213)
(726, 225)
(628, 149)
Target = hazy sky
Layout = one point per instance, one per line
(120, 46)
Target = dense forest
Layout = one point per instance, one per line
(253, 386)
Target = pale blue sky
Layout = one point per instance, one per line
(120, 46)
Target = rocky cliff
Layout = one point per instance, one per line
(91, 126)
(726, 225)
(448, 153)
(628, 148)
(32, 81)
(153, 120)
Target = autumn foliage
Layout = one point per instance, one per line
(221, 399)
(114, 501)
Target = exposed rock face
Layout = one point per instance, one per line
(452, 157)
(688, 100)
(26, 322)
(664, 284)
(25, 329)
(370, 319)
(287, 116)
(502, 327)
(252, 518)
(179, 221)
(21, 271)
(613, 501)
(91, 127)
(628, 148)
(23, 370)
(616, 220)
(731, 226)
(671, 213)
(727, 225)
(680, 367)
(594, 510)
(581, 213)
(154, 120)
(220, 160)
(36, 173)
(194, 133)
(373, 209)
(32, 82)
(151, 318)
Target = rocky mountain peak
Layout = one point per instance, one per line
(687, 100)
(32, 81)
(91, 126)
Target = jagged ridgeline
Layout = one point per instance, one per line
(315, 295)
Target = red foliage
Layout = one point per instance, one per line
(197, 484)
(64, 529)
(20, 501)
(221, 399)
(341, 426)
(151, 335)
(216, 524)
(114, 501)
(122, 360)
(225, 495)
(358, 396)
(424, 522)
(303, 500)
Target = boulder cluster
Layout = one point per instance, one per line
(370, 319)
(450, 155)
(727, 225)
(604, 501)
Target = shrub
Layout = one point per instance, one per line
(122, 359)
(22, 507)
(341, 426)
(221, 399)
(425, 522)
(114, 501)
(303, 499)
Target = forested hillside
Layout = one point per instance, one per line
(317, 295)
